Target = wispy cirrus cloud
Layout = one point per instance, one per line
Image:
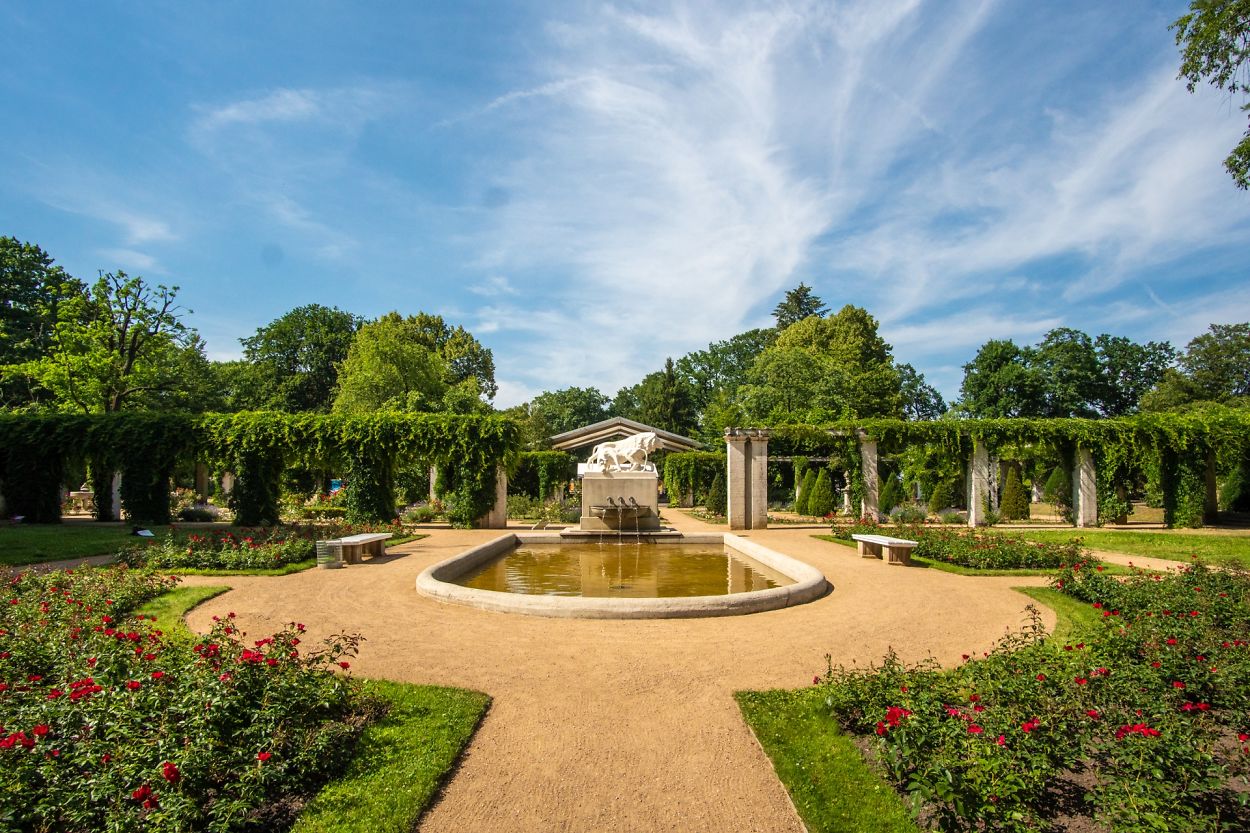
(681, 166)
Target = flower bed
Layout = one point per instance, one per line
(975, 549)
(241, 549)
(1143, 725)
(107, 725)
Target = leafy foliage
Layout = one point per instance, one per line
(717, 499)
(1015, 501)
(295, 358)
(1214, 37)
(690, 473)
(799, 303)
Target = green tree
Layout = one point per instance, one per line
(554, 412)
(1214, 37)
(464, 356)
(820, 503)
(821, 369)
(665, 401)
(1058, 491)
(1015, 501)
(1002, 381)
(717, 500)
(723, 365)
(295, 360)
(798, 304)
(1071, 378)
(921, 400)
(389, 368)
(941, 497)
(892, 494)
(32, 290)
(119, 345)
(1129, 370)
(1215, 367)
(804, 500)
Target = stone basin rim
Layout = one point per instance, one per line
(435, 582)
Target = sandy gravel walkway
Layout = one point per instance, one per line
(624, 726)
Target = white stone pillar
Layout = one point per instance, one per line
(497, 517)
(114, 497)
(978, 483)
(738, 487)
(1039, 490)
(1084, 489)
(433, 482)
(758, 498)
(201, 483)
(870, 506)
(227, 482)
(1211, 510)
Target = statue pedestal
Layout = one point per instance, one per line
(641, 514)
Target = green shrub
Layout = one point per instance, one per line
(108, 725)
(941, 497)
(717, 499)
(908, 514)
(1235, 490)
(805, 494)
(523, 506)
(422, 513)
(1058, 491)
(820, 504)
(1015, 501)
(892, 494)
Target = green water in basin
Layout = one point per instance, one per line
(627, 571)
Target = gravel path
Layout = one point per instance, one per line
(626, 725)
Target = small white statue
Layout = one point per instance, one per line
(629, 454)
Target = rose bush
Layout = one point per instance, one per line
(976, 549)
(107, 725)
(1145, 721)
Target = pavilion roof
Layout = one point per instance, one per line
(616, 427)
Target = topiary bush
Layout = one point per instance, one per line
(941, 498)
(717, 498)
(820, 503)
(892, 495)
(1014, 505)
(804, 499)
(1058, 491)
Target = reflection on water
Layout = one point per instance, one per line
(625, 570)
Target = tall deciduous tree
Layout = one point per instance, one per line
(665, 401)
(120, 345)
(1214, 37)
(294, 359)
(554, 412)
(463, 354)
(390, 367)
(1071, 378)
(32, 289)
(825, 368)
(1001, 381)
(798, 304)
(1215, 367)
(723, 366)
(920, 399)
(1129, 370)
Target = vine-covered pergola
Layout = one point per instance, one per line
(1101, 457)
(139, 451)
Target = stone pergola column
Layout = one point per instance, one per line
(201, 483)
(1084, 489)
(1211, 508)
(846, 493)
(433, 482)
(870, 506)
(497, 517)
(114, 497)
(747, 453)
(978, 483)
(227, 482)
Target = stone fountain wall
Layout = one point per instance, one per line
(642, 486)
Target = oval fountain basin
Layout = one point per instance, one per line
(545, 575)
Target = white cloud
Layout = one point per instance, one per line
(128, 259)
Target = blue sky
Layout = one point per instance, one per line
(592, 187)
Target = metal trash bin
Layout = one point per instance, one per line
(329, 555)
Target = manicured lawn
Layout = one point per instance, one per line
(400, 761)
(825, 774)
(917, 561)
(1174, 546)
(22, 544)
(35, 543)
(170, 607)
(1073, 615)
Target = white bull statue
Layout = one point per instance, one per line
(629, 454)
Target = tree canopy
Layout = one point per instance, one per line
(1214, 36)
(295, 358)
(798, 304)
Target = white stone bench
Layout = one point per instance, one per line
(366, 543)
(897, 550)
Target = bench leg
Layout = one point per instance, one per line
(351, 553)
(869, 550)
(900, 556)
